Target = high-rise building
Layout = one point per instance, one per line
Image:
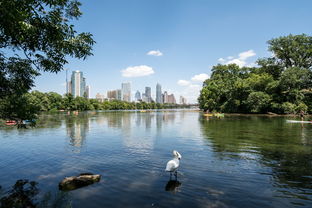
(137, 96)
(118, 94)
(112, 94)
(99, 97)
(144, 98)
(69, 88)
(171, 99)
(158, 94)
(88, 92)
(182, 100)
(165, 97)
(126, 91)
(148, 94)
(78, 84)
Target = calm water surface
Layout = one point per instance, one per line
(236, 161)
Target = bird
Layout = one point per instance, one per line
(173, 165)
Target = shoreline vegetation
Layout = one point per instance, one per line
(53, 102)
(280, 84)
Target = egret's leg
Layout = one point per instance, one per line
(176, 175)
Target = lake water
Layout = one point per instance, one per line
(236, 161)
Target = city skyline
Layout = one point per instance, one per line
(179, 45)
(146, 95)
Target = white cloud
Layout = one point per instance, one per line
(183, 82)
(238, 62)
(246, 54)
(154, 53)
(241, 60)
(191, 93)
(200, 77)
(221, 60)
(137, 71)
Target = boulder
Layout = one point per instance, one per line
(75, 182)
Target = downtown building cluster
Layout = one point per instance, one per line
(124, 94)
(78, 88)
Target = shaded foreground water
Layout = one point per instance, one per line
(236, 161)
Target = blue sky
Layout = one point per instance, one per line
(189, 37)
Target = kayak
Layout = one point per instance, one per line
(219, 114)
(208, 114)
(297, 121)
(10, 123)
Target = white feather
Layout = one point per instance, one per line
(173, 164)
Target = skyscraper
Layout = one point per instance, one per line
(119, 94)
(171, 99)
(78, 84)
(138, 96)
(112, 94)
(158, 94)
(88, 92)
(165, 97)
(126, 91)
(148, 94)
(182, 100)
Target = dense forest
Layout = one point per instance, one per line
(279, 84)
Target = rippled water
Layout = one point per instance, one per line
(236, 161)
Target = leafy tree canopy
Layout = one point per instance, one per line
(280, 84)
(37, 35)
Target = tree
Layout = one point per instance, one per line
(37, 36)
(281, 84)
(292, 50)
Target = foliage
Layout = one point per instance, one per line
(280, 84)
(34, 102)
(37, 36)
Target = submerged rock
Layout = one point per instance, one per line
(75, 182)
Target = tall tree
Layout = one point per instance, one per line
(37, 36)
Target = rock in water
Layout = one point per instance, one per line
(75, 182)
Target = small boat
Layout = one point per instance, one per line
(10, 123)
(208, 114)
(297, 121)
(142, 111)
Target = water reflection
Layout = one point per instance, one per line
(25, 193)
(77, 128)
(173, 186)
(267, 142)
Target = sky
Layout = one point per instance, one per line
(175, 42)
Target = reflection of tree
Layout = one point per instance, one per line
(77, 128)
(269, 142)
(24, 194)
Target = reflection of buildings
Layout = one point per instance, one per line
(77, 130)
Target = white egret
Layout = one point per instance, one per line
(173, 165)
